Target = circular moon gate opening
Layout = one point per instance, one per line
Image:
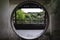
(29, 20)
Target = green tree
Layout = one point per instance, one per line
(20, 15)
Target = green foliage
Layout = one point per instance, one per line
(20, 15)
